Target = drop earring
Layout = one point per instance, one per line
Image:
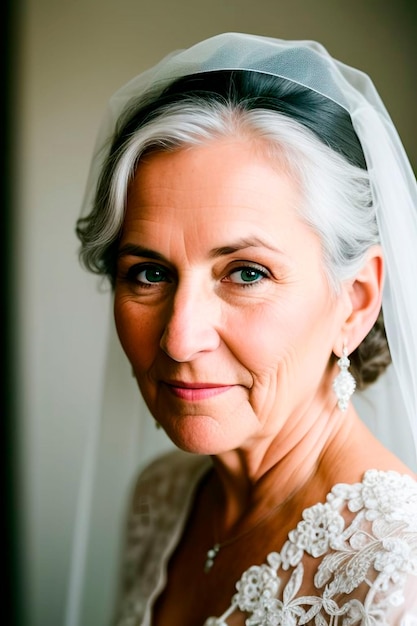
(344, 384)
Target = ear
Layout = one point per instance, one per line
(364, 294)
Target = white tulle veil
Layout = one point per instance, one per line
(125, 437)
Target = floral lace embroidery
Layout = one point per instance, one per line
(364, 538)
(373, 554)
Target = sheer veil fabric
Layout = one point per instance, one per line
(389, 407)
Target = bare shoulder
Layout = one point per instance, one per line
(358, 452)
(374, 455)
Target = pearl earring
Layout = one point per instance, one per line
(344, 384)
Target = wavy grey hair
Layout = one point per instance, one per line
(336, 198)
(335, 194)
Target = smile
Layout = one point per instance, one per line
(193, 392)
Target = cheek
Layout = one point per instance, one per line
(138, 333)
(264, 335)
(285, 334)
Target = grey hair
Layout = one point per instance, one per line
(336, 196)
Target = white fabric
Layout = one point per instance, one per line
(395, 196)
(363, 540)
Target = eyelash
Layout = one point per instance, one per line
(263, 273)
(133, 272)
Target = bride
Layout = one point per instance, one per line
(251, 207)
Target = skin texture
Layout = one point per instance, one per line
(269, 341)
(220, 283)
(224, 310)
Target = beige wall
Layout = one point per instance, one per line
(74, 54)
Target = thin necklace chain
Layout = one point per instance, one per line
(213, 552)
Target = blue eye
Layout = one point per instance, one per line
(247, 275)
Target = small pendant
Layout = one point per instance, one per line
(211, 555)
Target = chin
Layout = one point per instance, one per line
(199, 435)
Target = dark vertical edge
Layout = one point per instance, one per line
(13, 595)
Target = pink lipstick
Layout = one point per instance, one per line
(193, 392)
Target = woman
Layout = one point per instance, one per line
(243, 214)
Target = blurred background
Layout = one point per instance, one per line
(64, 60)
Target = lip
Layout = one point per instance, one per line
(193, 392)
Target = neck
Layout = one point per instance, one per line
(248, 483)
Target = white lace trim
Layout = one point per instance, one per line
(367, 568)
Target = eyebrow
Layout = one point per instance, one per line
(241, 244)
(130, 249)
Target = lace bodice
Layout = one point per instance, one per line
(364, 538)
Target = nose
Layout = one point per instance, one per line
(191, 323)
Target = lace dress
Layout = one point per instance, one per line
(367, 567)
